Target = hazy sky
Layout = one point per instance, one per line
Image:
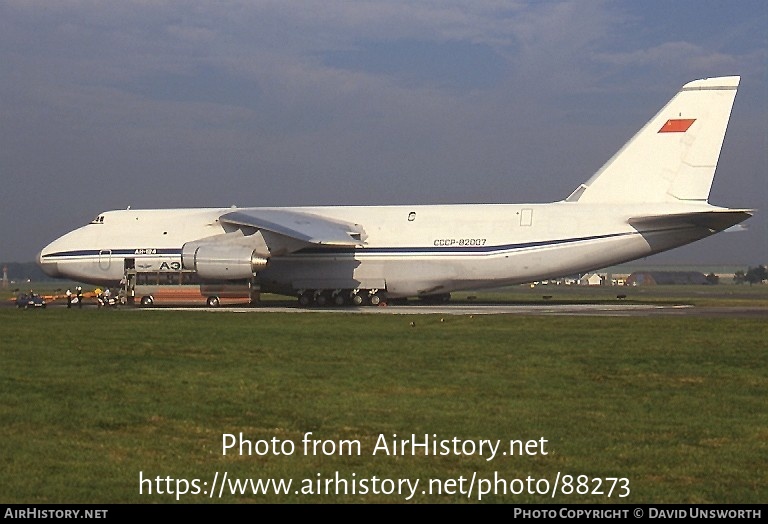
(106, 104)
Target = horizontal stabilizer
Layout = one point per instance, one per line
(298, 225)
(714, 220)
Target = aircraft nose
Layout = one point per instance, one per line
(49, 268)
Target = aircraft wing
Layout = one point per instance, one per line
(716, 220)
(299, 225)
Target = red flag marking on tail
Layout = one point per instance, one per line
(677, 125)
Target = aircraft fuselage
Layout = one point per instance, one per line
(408, 251)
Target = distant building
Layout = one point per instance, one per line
(591, 279)
(661, 278)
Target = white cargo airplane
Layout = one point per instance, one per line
(651, 196)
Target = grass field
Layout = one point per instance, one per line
(94, 401)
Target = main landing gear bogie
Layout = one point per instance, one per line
(342, 297)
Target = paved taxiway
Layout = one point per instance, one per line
(604, 310)
(463, 308)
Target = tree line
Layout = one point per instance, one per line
(754, 275)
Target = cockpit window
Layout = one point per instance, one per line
(98, 220)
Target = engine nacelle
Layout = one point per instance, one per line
(222, 261)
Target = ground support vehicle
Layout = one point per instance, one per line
(30, 301)
(184, 288)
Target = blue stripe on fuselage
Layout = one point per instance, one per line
(114, 252)
(142, 252)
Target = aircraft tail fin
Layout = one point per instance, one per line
(674, 156)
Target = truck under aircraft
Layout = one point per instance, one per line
(651, 196)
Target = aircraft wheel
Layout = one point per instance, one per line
(146, 301)
(213, 302)
(322, 299)
(358, 300)
(305, 299)
(340, 299)
(376, 299)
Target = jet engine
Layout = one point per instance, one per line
(214, 261)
